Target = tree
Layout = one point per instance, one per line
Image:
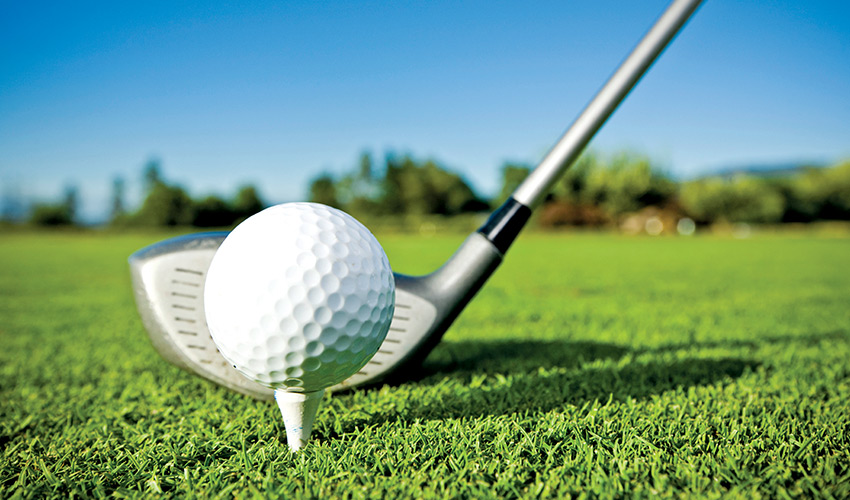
(819, 193)
(151, 175)
(448, 192)
(512, 176)
(118, 210)
(56, 214)
(740, 199)
(427, 188)
(212, 211)
(70, 202)
(323, 190)
(170, 205)
(165, 206)
(837, 204)
(357, 191)
(628, 183)
(572, 186)
(246, 203)
(407, 186)
(396, 187)
(50, 214)
(364, 177)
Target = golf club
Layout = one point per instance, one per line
(168, 277)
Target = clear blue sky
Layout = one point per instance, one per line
(274, 92)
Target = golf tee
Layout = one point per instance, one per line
(299, 411)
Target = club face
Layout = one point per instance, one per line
(168, 280)
(168, 284)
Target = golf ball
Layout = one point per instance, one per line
(299, 297)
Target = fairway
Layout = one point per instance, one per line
(589, 365)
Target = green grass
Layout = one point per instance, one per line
(590, 365)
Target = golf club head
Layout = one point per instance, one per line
(168, 282)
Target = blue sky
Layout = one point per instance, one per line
(272, 93)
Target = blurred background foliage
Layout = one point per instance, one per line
(402, 191)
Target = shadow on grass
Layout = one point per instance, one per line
(498, 378)
(457, 359)
(545, 390)
(460, 358)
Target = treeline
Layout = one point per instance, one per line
(599, 190)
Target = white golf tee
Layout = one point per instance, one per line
(299, 412)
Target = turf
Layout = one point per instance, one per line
(590, 365)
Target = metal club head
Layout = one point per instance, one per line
(168, 281)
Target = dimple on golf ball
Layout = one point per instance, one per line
(299, 297)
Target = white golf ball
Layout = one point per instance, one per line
(299, 297)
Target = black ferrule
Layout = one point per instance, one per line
(505, 224)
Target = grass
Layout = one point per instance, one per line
(590, 365)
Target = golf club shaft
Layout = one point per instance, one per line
(504, 225)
